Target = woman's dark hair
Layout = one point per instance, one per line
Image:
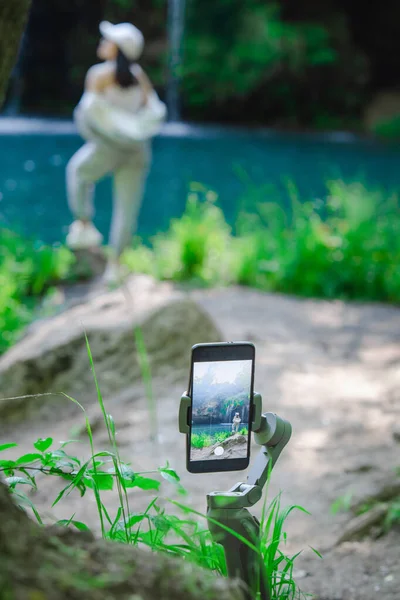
(123, 74)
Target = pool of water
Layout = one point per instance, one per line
(33, 155)
(212, 429)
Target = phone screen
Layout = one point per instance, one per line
(221, 414)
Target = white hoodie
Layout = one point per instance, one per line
(98, 118)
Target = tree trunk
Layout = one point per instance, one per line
(13, 17)
(51, 563)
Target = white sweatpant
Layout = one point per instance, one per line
(130, 167)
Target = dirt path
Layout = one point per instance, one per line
(332, 369)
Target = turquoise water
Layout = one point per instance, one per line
(33, 155)
(212, 429)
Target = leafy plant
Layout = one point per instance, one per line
(201, 440)
(28, 269)
(193, 248)
(251, 43)
(347, 247)
(278, 566)
(343, 503)
(393, 515)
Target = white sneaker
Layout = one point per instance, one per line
(83, 235)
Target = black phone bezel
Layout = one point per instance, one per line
(222, 351)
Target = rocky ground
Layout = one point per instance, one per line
(331, 369)
(233, 447)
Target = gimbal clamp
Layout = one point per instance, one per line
(229, 509)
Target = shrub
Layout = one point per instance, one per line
(193, 249)
(347, 247)
(201, 440)
(27, 270)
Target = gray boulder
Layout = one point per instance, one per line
(52, 358)
(234, 447)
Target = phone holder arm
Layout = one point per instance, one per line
(272, 435)
(183, 419)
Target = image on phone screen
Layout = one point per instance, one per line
(221, 394)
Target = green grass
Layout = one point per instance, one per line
(145, 369)
(203, 440)
(347, 248)
(392, 519)
(184, 535)
(27, 271)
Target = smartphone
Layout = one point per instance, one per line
(221, 388)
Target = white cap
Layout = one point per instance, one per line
(126, 36)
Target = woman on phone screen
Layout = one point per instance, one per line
(118, 114)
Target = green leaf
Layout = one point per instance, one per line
(13, 481)
(182, 491)
(29, 476)
(114, 524)
(316, 552)
(28, 458)
(61, 494)
(103, 481)
(61, 454)
(7, 464)
(7, 446)
(145, 483)
(25, 501)
(63, 444)
(111, 424)
(169, 474)
(78, 524)
(77, 482)
(107, 516)
(133, 519)
(43, 444)
(127, 475)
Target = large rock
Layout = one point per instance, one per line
(53, 357)
(234, 447)
(74, 565)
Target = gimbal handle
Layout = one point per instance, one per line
(229, 509)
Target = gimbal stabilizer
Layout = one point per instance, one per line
(230, 509)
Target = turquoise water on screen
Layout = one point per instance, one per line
(213, 429)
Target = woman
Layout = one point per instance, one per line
(118, 113)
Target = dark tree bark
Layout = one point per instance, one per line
(13, 17)
(50, 563)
